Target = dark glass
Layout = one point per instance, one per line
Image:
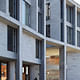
(47, 30)
(14, 8)
(12, 39)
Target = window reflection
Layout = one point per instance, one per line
(53, 68)
(25, 72)
(3, 71)
(52, 63)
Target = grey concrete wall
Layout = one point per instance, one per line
(3, 42)
(34, 14)
(3, 5)
(12, 75)
(3, 36)
(28, 48)
(73, 66)
(55, 19)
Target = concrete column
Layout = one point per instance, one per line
(19, 57)
(65, 37)
(63, 63)
(36, 15)
(43, 62)
(75, 25)
(19, 54)
(7, 7)
(20, 10)
(65, 29)
(44, 17)
(11, 71)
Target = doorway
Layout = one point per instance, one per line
(3, 71)
(26, 72)
(52, 62)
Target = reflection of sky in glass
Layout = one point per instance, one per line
(78, 1)
(3, 64)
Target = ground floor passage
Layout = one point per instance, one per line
(52, 65)
(8, 71)
(55, 64)
(54, 60)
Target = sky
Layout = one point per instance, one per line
(78, 1)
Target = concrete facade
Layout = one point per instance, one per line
(27, 35)
(69, 53)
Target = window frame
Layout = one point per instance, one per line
(14, 7)
(38, 48)
(27, 20)
(48, 30)
(14, 39)
(69, 35)
(6, 68)
(78, 19)
(78, 38)
(69, 11)
(48, 11)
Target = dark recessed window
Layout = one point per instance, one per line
(47, 11)
(69, 35)
(78, 19)
(38, 48)
(12, 39)
(40, 3)
(69, 13)
(62, 32)
(40, 29)
(14, 8)
(47, 30)
(61, 9)
(78, 38)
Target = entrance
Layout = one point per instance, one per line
(52, 63)
(26, 72)
(3, 71)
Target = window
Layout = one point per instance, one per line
(47, 30)
(78, 19)
(14, 8)
(62, 32)
(48, 11)
(70, 35)
(40, 3)
(38, 48)
(26, 72)
(12, 39)
(61, 9)
(40, 23)
(78, 38)
(26, 13)
(69, 13)
(3, 71)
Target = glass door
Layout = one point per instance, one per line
(26, 72)
(3, 71)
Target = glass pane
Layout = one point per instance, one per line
(52, 63)
(25, 13)
(3, 71)
(26, 70)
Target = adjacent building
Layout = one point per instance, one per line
(63, 40)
